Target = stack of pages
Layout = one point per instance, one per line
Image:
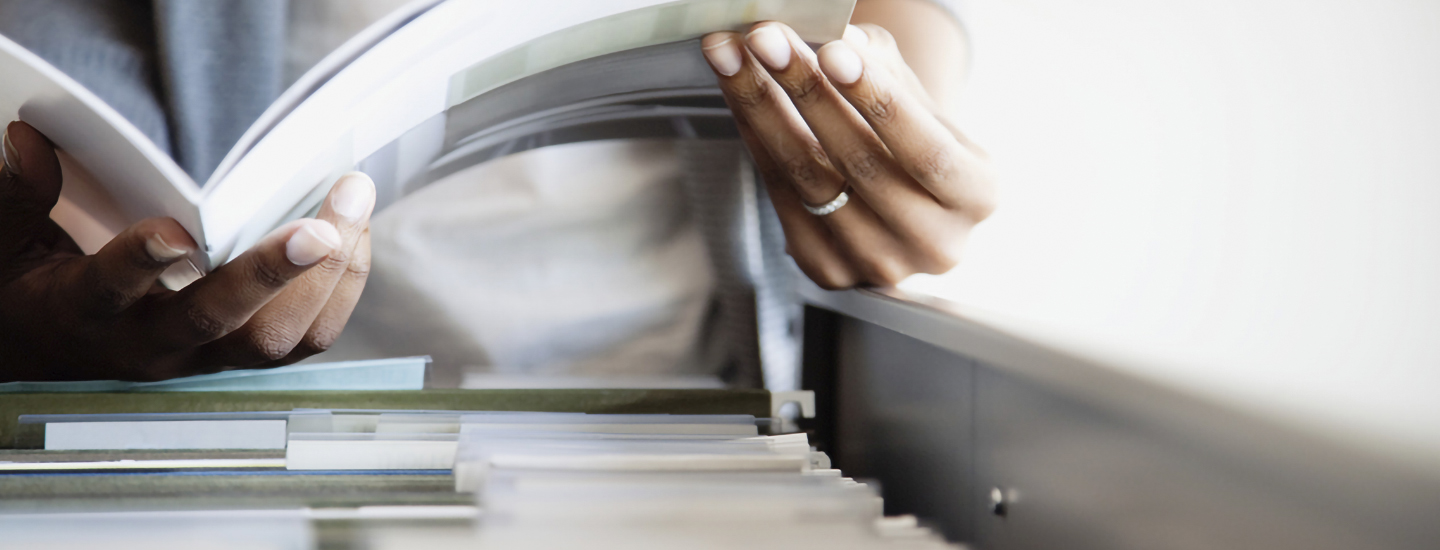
(431, 90)
(444, 479)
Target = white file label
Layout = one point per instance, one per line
(173, 434)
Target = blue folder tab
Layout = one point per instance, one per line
(404, 373)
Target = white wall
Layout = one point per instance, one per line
(1245, 195)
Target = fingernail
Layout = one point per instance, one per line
(840, 63)
(770, 45)
(160, 250)
(355, 194)
(12, 155)
(722, 52)
(855, 35)
(314, 240)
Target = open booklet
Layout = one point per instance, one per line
(432, 89)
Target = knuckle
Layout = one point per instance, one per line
(206, 324)
(103, 297)
(981, 208)
(805, 167)
(830, 277)
(316, 342)
(805, 88)
(981, 204)
(336, 262)
(937, 258)
(829, 280)
(108, 300)
(773, 174)
(936, 166)
(862, 165)
(358, 267)
(268, 275)
(879, 36)
(750, 91)
(883, 270)
(268, 343)
(879, 108)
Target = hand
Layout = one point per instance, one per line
(68, 316)
(852, 119)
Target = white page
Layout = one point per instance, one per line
(407, 79)
(141, 178)
(313, 143)
(180, 434)
(650, 463)
(410, 76)
(368, 452)
(315, 77)
(418, 423)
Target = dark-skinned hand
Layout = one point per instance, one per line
(65, 315)
(852, 118)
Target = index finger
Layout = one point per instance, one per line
(276, 330)
(924, 147)
(224, 300)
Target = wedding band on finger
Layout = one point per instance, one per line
(829, 207)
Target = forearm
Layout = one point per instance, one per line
(928, 37)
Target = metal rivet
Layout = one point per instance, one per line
(998, 505)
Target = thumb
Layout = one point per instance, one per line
(29, 185)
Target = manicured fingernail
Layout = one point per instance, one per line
(722, 52)
(770, 45)
(355, 195)
(315, 240)
(12, 155)
(855, 35)
(160, 250)
(840, 62)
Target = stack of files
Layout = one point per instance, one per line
(202, 460)
(519, 480)
(24, 417)
(546, 484)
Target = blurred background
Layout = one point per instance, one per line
(1236, 197)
